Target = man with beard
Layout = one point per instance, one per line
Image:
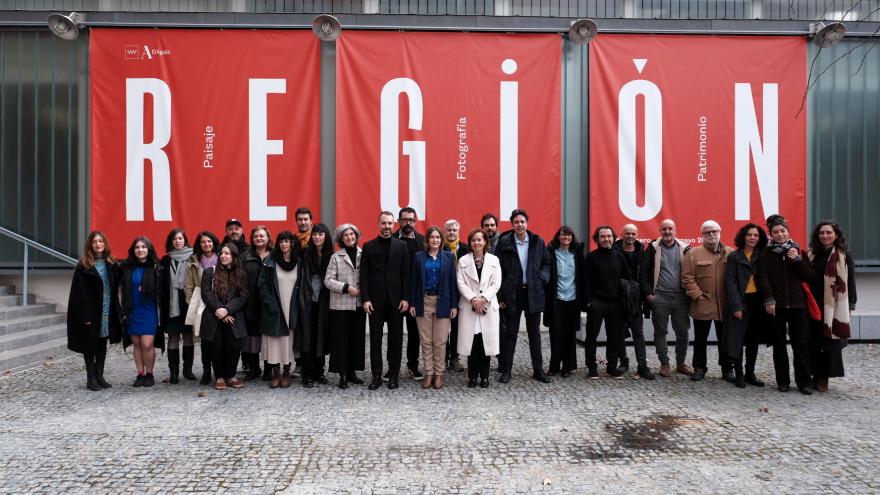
(415, 242)
(303, 217)
(235, 235)
(605, 267)
(384, 287)
(489, 223)
(633, 251)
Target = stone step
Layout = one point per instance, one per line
(13, 312)
(7, 289)
(33, 355)
(35, 336)
(7, 300)
(26, 323)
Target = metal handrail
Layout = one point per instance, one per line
(30, 243)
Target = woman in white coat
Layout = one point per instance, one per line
(479, 278)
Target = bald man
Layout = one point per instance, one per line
(634, 324)
(660, 283)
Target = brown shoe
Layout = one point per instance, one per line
(438, 382)
(455, 365)
(235, 383)
(285, 377)
(220, 384)
(276, 377)
(665, 371)
(684, 369)
(428, 381)
(821, 385)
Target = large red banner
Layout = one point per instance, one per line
(695, 128)
(192, 127)
(452, 124)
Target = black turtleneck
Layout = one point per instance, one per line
(352, 252)
(604, 269)
(385, 247)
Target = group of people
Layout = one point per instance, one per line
(281, 306)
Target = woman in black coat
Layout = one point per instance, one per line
(224, 291)
(173, 306)
(564, 299)
(277, 287)
(745, 321)
(93, 308)
(834, 288)
(261, 248)
(310, 338)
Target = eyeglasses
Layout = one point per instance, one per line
(406, 220)
(712, 232)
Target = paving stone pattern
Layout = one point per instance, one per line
(571, 436)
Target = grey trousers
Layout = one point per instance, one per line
(666, 307)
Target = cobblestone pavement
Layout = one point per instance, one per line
(572, 436)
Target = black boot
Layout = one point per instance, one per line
(173, 365)
(207, 379)
(253, 371)
(188, 355)
(343, 381)
(100, 359)
(739, 379)
(352, 377)
(267, 370)
(91, 382)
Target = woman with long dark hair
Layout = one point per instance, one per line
(224, 290)
(206, 256)
(782, 270)
(174, 305)
(93, 308)
(347, 318)
(834, 288)
(278, 286)
(260, 249)
(564, 295)
(314, 303)
(141, 295)
(745, 319)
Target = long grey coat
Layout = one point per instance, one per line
(340, 271)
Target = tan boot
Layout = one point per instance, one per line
(684, 369)
(276, 377)
(821, 385)
(285, 377)
(438, 382)
(428, 381)
(665, 371)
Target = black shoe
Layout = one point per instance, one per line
(699, 375)
(624, 365)
(484, 383)
(343, 381)
(308, 383)
(99, 372)
(173, 379)
(751, 379)
(386, 376)
(783, 388)
(645, 373)
(353, 378)
(728, 376)
(173, 366)
(206, 377)
(472, 382)
(505, 377)
(416, 374)
(320, 378)
(91, 382)
(616, 373)
(149, 381)
(806, 390)
(565, 374)
(267, 371)
(593, 373)
(552, 373)
(297, 371)
(375, 384)
(188, 354)
(139, 381)
(541, 376)
(392, 384)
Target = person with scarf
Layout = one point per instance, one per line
(93, 309)
(347, 317)
(261, 248)
(310, 335)
(745, 319)
(205, 257)
(141, 294)
(278, 287)
(834, 288)
(224, 290)
(452, 243)
(174, 305)
(782, 272)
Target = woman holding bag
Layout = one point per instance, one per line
(206, 256)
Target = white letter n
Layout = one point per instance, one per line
(747, 143)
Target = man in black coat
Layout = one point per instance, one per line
(634, 252)
(605, 267)
(415, 242)
(384, 285)
(525, 272)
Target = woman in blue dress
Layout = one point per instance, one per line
(141, 292)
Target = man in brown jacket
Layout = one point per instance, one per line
(702, 276)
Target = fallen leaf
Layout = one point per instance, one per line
(763, 409)
(546, 482)
(48, 364)
(202, 394)
(7, 372)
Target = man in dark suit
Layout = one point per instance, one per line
(384, 285)
(415, 242)
(525, 271)
(452, 243)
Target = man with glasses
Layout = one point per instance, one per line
(702, 276)
(415, 242)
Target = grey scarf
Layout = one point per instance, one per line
(179, 258)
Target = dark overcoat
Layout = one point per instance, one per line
(234, 304)
(538, 270)
(383, 283)
(85, 304)
(272, 322)
(312, 330)
(736, 278)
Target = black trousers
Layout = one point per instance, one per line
(391, 315)
(701, 339)
(636, 326)
(563, 335)
(510, 333)
(478, 361)
(797, 322)
(756, 325)
(413, 343)
(612, 314)
(225, 349)
(452, 343)
(347, 341)
(826, 355)
(100, 354)
(206, 354)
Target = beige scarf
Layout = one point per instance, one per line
(835, 303)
